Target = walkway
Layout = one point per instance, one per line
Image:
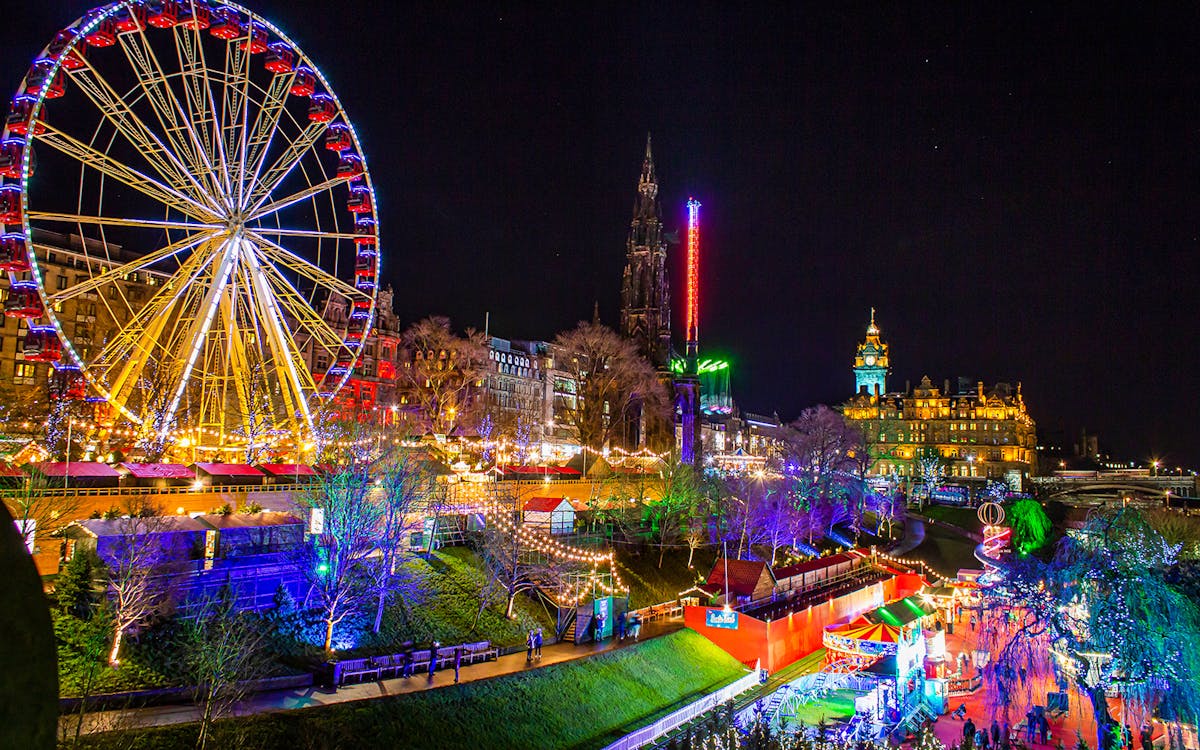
(287, 700)
(914, 536)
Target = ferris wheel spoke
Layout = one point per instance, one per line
(197, 89)
(117, 273)
(110, 167)
(266, 125)
(298, 196)
(283, 166)
(198, 331)
(118, 113)
(309, 270)
(286, 354)
(121, 222)
(310, 233)
(308, 321)
(172, 118)
(234, 111)
(139, 341)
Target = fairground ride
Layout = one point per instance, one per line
(197, 151)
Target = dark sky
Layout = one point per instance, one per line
(1015, 189)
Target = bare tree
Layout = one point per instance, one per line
(611, 381)
(41, 511)
(140, 564)
(403, 485)
(337, 565)
(678, 500)
(224, 650)
(443, 371)
(512, 564)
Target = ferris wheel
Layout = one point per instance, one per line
(195, 175)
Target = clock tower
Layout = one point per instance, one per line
(871, 362)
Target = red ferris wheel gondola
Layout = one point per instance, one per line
(14, 254)
(42, 344)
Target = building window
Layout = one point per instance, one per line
(24, 370)
(60, 282)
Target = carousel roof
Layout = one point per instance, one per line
(865, 631)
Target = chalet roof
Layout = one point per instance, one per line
(158, 471)
(278, 470)
(81, 469)
(901, 612)
(107, 527)
(810, 565)
(744, 575)
(228, 470)
(547, 504)
(249, 520)
(8, 470)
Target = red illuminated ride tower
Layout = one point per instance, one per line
(687, 383)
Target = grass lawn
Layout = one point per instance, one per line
(585, 703)
(439, 601)
(964, 518)
(836, 706)
(649, 584)
(945, 551)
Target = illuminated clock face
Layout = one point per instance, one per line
(869, 359)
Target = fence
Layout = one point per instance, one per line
(666, 610)
(648, 734)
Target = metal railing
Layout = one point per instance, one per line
(676, 719)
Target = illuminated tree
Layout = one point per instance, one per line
(139, 568)
(929, 467)
(337, 565)
(611, 381)
(1104, 613)
(1030, 525)
(512, 564)
(403, 486)
(443, 372)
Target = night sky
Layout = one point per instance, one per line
(1015, 190)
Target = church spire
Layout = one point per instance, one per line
(645, 292)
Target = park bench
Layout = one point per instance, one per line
(479, 651)
(355, 669)
(421, 660)
(445, 656)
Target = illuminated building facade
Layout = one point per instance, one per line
(871, 362)
(370, 393)
(87, 320)
(973, 432)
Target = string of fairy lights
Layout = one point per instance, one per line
(500, 514)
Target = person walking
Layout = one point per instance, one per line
(621, 626)
(973, 621)
(1043, 729)
(982, 739)
(433, 659)
(995, 733)
(529, 646)
(1030, 726)
(1006, 738)
(1147, 734)
(537, 643)
(969, 729)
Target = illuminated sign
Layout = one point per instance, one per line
(719, 618)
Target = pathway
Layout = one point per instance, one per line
(914, 536)
(287, 700)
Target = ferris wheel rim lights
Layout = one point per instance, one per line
(102, 27)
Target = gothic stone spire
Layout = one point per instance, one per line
(645, 291)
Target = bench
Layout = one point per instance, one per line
(354, 669)
(420, 660)
(479, 651)
(445, 656)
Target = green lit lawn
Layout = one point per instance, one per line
(585, 703)
(837, 706)
(649, 584)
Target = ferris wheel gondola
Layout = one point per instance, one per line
(225, 235)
